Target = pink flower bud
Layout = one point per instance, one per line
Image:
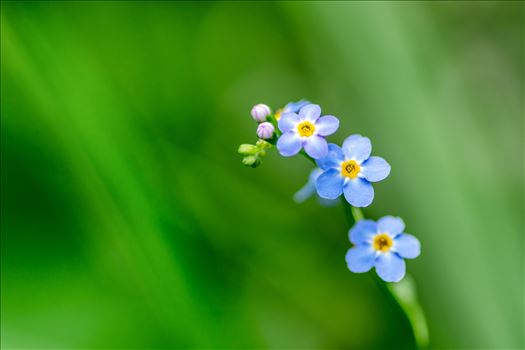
(260, 112)
(265, 130)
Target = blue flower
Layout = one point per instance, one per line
(306, 129)
(383, 245)
(349, 171)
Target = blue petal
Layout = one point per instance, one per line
(295, 106)
(360, 258)
(363, 231)
(314, 174)
(289, 144)
(359, 192)
(357, 147)
(287, 122)
(407, 246)
(390, 267)
(375, 169)
(304, 193)
(391, 225)
(330, 184)
(310, 112)
(332, 159)
(316, 146)
(309, 189)
(326, 125)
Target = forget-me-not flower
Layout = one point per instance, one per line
(350, 170)
(382, 244)
(306, 129)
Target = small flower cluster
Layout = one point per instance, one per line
(347, 170)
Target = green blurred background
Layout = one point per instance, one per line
(127, 219)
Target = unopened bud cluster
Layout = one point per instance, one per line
(261, 113)
(252, 154)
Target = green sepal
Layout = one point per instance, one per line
(248, 150)
(252, 161)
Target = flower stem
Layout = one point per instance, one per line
(357, 213)
(308, 157)
(405, 293)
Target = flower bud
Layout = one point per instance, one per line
(252, 161)
(265, 130)
(260, 112)
(248, 150)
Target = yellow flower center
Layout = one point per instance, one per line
(350, 169)
(305, 128)
(383, 242)
(277, 114)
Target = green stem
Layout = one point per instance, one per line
(357, 213)
(349, 213)
(405, 293)
(308, 157)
